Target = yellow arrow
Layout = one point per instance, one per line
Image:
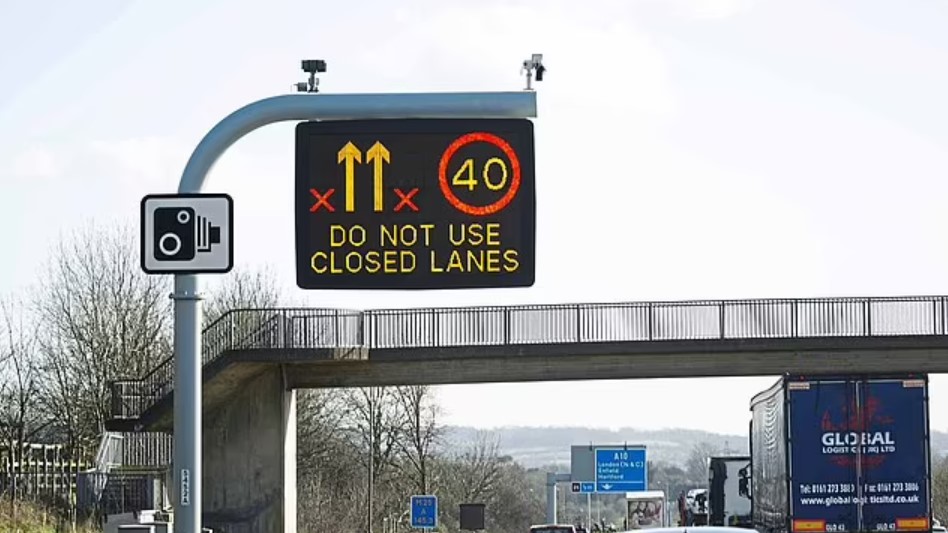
(351, 155)
(380, 155)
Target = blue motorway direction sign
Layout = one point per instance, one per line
(621, 469)
(424, 512)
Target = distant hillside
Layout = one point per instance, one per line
(536, 447)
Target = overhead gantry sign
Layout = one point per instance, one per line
(415, 204)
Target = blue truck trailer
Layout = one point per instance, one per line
(841, 454)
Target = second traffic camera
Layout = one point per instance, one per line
(180, 234)
(313, 66)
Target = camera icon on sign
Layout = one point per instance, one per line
(180, 234)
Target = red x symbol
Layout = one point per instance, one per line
(405, 199)
(322, 200)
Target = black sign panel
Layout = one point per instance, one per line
(415, 204)
(471, 516)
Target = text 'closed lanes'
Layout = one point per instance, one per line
(419, 203)
(476, 248)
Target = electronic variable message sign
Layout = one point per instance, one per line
(415, 204)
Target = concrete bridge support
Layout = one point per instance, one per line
(249, 459)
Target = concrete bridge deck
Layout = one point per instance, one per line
(341, 348)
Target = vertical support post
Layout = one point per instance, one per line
(649, 309)
(794, 314)
(187, 403)
(589, 511)
(934, 316)
(944, 301)
(579, 323)
(289, 457)
(598, 509)
(506, 317)
(550, 497)
(371, 481)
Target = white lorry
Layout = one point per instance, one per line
(646, 509)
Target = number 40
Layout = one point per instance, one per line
(467, 167)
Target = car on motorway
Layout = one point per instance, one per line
(553, 528)
(691, 529)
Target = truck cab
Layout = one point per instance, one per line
(729, 491)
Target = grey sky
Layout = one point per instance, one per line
(685, 149)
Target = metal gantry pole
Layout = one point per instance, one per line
(187, 403)
(187, 302)
(551, 497)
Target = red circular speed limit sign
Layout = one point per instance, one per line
(500, 204)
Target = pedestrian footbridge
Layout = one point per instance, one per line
(345, 348)
(254, 359)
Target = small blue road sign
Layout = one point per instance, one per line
(621, 469)
(424, 512)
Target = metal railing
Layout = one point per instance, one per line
(109, 453)
(146, 451)
(655, 321)
(145, 454)
(246, 329)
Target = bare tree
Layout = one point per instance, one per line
(329, 470)
(514, 504)
(477, 469)
(372, 424)
(21, 417)
(421, 433)
(240, 309)
(354, 448)
(318, 421)
(243, 289)
(697, 465)
(101, 318)
(19, 389)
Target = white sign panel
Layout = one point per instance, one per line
(185, 486)
(187, 233)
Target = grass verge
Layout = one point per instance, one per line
(29, 517)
